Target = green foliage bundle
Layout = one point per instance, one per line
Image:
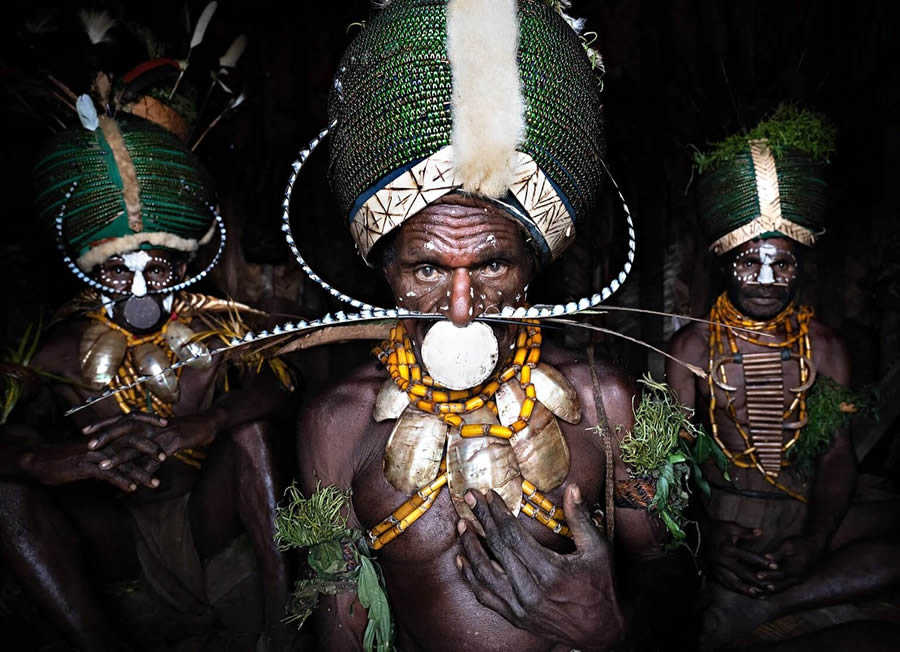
(667, 449)
(823, 408)
(788, 127)
(338, 557)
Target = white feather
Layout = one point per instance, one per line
(203, 23)
(236, 102)
(87, 112)
(488, 109)
(97, 25)
(234, 52)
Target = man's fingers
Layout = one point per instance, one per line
(145, 445)
(139, 475)
(520, 555)
(731, 581)
(152, 419)
(101, 424)
(116, 479)
(109, 434)
(587, 537)
(750, 558)
(118, 459)
(475, 554)
(483, 594)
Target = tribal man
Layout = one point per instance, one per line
(160, 476)
(777, 533)
(466, 147)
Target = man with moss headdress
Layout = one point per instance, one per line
(158, 469)
(776, 533)
(466, 150)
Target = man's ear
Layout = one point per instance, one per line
(181, 270)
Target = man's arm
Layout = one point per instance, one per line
(328, 433)
(832, 486)
(688, 346)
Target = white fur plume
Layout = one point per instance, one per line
(97, 25)
(487, 104)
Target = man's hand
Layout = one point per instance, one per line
(111, 455)
(735, 567)
(791, 562)
(196, 431)
(566, 598)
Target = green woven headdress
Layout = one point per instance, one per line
(768, 182)
(495, 97)
(126, 184)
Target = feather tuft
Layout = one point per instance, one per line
(97, 25)
(203, 23)
(488, 109)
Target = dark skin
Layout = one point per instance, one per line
(521, 587)
(790, 562)
(63, 494)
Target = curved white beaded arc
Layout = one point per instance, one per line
(537, 311)
(585, 303)
(296, 166)
(67, 259)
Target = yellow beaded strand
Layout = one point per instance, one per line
(724, 314)
(396, 354)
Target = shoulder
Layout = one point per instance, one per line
(829, 352)
(690, 342)
(59, 349)
(616, 388)
(332, 425)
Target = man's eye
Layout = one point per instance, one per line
(156, 270)
(426, 271)
(495, 267)
(119, 269)
(749, 263)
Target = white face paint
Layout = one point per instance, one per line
(766, 258)
(137, 261)
(755, 266)
(107, 305)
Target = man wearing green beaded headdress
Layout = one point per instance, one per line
(777, 536)
(159, 471)
(466, 150)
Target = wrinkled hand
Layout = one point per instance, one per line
(791, 562)
(166, 436)
(111, 456)
(735, 567)
(566, 598)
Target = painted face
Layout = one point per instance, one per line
(764, 276)
(461, 258)
(134, 275)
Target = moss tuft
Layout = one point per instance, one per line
(789, 127)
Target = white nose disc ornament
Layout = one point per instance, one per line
(459, 358)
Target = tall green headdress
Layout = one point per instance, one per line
(768, 182)
(120, 184)
(498, 98)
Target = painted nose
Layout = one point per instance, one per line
(461, 293)
(765, 276)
